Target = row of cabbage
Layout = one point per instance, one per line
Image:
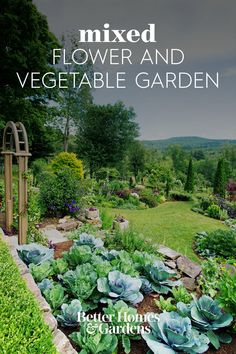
(90, 277)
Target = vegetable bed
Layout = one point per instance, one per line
(93, 280)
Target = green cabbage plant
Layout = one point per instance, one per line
(55, 296)
(59, 266)
(78, 255)
(41, 271)
(172, 333)
(118, 286)
(124, 317)
(94, 338)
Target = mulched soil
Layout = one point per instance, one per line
(147, 305)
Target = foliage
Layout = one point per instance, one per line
(78, 255)
(216, 243)
(180, 196)
(102, 267)
(227, 291)
(65, 161)
(171, 224)
(165, 304)
(220, 179)
(20, 312)
(215, 212)
(58, 192)
(209, 278)
(95, 341)
(21, 22)
(122, 316)
(129, 240)
(55, 296)
(147, 197)
(158, 275)
(124, 263)
(106, 220)
(171, 333)
(207, 316)
(59, 266)
(41, 271)
(105, 133)
(189, 185)
(45, 284)
(107, 174)
(69, 314)
(35, 253)
(81, 282)
(89, 240)
(118, 286)
(180, 294)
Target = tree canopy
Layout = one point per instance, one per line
(105, 133)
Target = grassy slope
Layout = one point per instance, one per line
(22, 329)
(172, 224)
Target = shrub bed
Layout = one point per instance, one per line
(22, 329)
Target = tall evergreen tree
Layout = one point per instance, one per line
(220, 179)
(189, 185)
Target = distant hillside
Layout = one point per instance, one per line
(188, 142)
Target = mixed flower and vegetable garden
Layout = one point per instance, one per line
(110, 288)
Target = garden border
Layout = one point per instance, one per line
(60, 340)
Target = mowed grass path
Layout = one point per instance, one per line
(172, 224)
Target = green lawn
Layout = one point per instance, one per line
(172, 224)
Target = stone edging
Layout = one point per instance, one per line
(60, 340)
(186, 270)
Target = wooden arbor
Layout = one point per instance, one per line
(15, 143)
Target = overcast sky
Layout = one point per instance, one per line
(205, 30)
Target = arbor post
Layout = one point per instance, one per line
(22, 199)
(8, 191)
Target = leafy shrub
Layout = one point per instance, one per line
(218, 243)
(209, 278)
(215, 212)
(180, 196)
(38, 167)
(20, 315)
(146, 196)
(171, 333)
(57, 192)
(106, 173)
(227, 291)
(129, 240)
(67, 161)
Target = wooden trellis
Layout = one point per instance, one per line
(15, 143)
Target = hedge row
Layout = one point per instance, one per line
(22, 329)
